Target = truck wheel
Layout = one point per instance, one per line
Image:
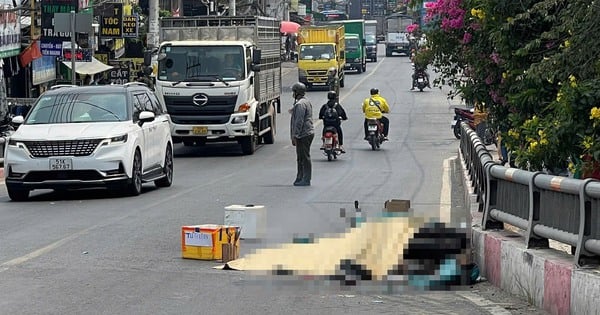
(248, 145)
(364, 67)
(342, 82)
(375, 59)
(388, 53)
(269, 137)
(359, 69)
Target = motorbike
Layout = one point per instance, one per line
(375, 133)
(483, 130)
(420, 81)
(330, 146)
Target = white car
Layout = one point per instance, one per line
(113, 136)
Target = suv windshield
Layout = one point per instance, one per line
(201, 63)
(79, 108)
(371, 39)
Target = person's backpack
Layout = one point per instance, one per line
(331, 115)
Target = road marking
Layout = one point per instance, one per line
(484, 303)
(46, 249)
(446, 192)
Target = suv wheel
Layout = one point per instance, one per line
(17, 194)
(167, 180)
(134, 187)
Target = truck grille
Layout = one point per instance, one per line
(217, 110)
(62, 148)
(317, 72)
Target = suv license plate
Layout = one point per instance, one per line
(61, 164)
(202, 130)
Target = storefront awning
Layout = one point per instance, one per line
(93, 67)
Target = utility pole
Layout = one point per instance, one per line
(152, 35)
(73, 51)
(231, 7)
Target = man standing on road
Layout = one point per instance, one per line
(302, 133)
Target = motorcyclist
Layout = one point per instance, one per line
(374, 107)
(334, 81)
(420, 69)
(332, 102)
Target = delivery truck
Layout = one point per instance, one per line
(321, 48)
(220, 78)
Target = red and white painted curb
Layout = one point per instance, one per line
(546, 278)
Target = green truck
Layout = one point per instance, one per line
(356, 50)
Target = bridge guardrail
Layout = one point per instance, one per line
(544, 206)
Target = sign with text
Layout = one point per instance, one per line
(111, 21)
(198, 239)
(120, 73)
(83, 55)
(49, 7)
(51, 49)
(10, 30)
(43, 70)
(130, 26)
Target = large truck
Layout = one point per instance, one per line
(320, 49)
(220, 78)
(356, 50)
(371, 39)
(397, 38)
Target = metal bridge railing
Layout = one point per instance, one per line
(546, 207)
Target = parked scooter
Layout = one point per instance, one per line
(375, 133)
(483, 130)
(331, 148)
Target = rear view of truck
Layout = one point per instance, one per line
(397, 38)
(371, 39)
(321, 48)
(220, 78)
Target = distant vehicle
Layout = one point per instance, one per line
(397, 40)
(371, 39)
(330, 15)
(113, 136)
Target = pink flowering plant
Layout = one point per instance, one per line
(534, 66)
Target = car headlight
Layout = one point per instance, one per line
(12, 142)
(118, 139)
(239, 119)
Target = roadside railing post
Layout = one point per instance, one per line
(532, 240)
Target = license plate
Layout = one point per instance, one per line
(372, 127)
(202, 130)
(328, 140)
(420, 80)
(61, 164)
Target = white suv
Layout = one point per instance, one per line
(114, 136)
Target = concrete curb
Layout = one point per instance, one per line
(546, 278)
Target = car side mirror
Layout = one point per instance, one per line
(17, 120)
(145, 117)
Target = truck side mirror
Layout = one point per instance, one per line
(256, 56)
(147, 57)
(364, 42)
(342, 54)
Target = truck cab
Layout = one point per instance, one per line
(355, 53)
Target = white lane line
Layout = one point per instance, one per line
(446, 192)
(484, 303)
(41, 251)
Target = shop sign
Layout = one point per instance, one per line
(111, 21)
(49, 7)
(130, 26)
(43, 69)
(10, 30)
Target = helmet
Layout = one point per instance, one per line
(374, 91)
(331, 95)
(299, 88)
(333, 70)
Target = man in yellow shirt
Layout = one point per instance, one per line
(374, 107)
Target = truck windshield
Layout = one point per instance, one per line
(352, 43)
(371, 39)
(315, 52)
(201, 63)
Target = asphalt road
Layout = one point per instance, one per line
(99, 253)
